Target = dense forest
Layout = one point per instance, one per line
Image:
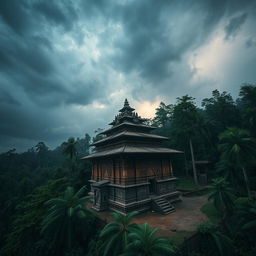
(44, 192)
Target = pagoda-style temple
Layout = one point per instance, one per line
(131, 170)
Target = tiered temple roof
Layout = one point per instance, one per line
(129, 134)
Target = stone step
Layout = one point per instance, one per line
(168, 212)
(163, 203)
(163, 206)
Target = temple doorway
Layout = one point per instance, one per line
(152, 186)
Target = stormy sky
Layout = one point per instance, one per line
(67, 66)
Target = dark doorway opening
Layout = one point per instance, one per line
(152, 186)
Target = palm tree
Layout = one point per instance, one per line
(222, 196)
(144, 242)
(67, 219)
(70, 147)
(212, 239)
(238, 148)
(41, 150)
(246, 220)
(114, 235)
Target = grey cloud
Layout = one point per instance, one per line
(15, 14)
(6, 98)
(59, 13)
(234, 25)
(146, 41)
(251, 42)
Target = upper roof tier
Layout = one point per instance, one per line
(127, 124)
(127, 114)
(126, 107)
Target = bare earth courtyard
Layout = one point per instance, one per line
(186, 217)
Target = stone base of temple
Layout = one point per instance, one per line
(137, 197)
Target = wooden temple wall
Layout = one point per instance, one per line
(131, 170)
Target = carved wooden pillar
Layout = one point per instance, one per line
(114, 170)
(120, 170)
(135, 172)
(162, 171)
(170, 168)
(97, 171)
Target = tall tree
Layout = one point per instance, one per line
(69, 147)
(222, 196)
(247, 104)
(115, 234)
(41, 150)
(221, 111)
(239, 148)
(163, 114)
(68, 220)
(185, 119)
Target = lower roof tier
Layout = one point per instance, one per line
(132, 149)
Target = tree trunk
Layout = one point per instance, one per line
(186, 163)
(246, 181)
(193, 161)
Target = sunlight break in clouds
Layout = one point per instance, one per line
(147, 109)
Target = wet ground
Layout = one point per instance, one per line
(186, 217)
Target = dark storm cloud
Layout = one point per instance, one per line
(6, 98)
(15, 14)
(56, 56)
(29, 61)
(251, 42)
(234, 25)
(33, 75)
(150, 47)
(57, 12)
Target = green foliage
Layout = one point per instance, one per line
(239, 149)
(222, 196)
(69, 148)
(206, 227)
(163, 115)
(187, 184)
(211, 212)
(68, 221)
(24, 237)
(144, 242)
(179, 236)
(237, 146)
(212, 239)
(221, 111)
(114, 235)
(247, 104)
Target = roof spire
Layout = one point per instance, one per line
(126, 103)
(127, 114)
(126, 107)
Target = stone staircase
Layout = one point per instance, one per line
(161, 205)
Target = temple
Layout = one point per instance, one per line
(131, 170)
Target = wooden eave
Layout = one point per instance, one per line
(132, 150)
(129, 134)
(128, 124)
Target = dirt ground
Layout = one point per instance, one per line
(186, 217)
